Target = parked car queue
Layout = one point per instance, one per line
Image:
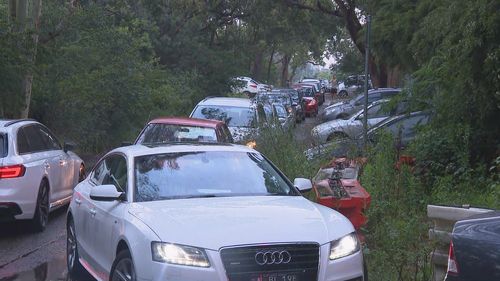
(186, 172)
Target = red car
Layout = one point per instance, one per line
(183, 129)
(310, 100)
(336, 186)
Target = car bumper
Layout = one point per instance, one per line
(21, 193)
(348, 268)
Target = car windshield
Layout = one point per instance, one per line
(280, 111)
(307, 92)
(356, 100)
(274, 98)
(163, 133)
(3, 145)
(206, 174)
(233, 116)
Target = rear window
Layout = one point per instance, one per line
(233, 116)
(3, 145)
(164, 133)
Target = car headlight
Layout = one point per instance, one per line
(344, 246)
(179, 254)
(251, 144)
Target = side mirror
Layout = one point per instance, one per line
(126, 143)
(106, 192)
(68, 146)
(303, 185)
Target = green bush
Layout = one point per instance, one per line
(397, 230)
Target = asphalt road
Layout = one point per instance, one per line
(28, 256)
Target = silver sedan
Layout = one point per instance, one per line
(353, 126)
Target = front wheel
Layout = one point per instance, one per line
(75, 268)
(39, 221)
(123, 268)
(81, 173)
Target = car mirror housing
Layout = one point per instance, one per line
(69, 146)
(106, 192)
(302, 184)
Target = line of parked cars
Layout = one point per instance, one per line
(185, 201)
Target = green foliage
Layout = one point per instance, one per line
(397, 228)
(102, 79)
(285, 152)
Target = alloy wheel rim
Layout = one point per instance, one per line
(71, 247)
(124, 271)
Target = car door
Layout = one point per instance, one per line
(84, 205)
(106, 216)
(66, 166)
(40, 154)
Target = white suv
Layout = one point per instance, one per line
(37, 174)
(249, 86)
(204, 212)
(241, 115)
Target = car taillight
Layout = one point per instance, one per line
(452, 262)
(253, 85)
(14, 171)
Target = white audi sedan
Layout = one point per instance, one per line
(203, 212)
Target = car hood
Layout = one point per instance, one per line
(331, 106)
(335, 124)
(241, 134)
(213, 223)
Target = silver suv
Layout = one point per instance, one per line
(37, 174)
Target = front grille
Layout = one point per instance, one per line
(241, 265)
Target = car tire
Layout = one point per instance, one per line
(81, 173)
(343, 94)
(41, 217)
(75, 268)
(123, 267)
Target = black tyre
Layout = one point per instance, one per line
(75, 268)
(41, 218)
(123, 268)
(343, 94)
(82, 173)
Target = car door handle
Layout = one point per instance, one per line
(78, 201)
(93, 212)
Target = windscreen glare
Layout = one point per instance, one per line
(164, 133)
(3, 145)
(206, 174)
(307, 92)
(233, 116)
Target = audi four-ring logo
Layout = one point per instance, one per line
(273, 257)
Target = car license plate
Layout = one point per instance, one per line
(276, 277)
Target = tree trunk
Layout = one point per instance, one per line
(284, 71)
(269, 65)
(257, 64)
(12, 11)
(27, 83)
(394, 77)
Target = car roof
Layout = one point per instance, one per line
(384, 90)
(186, 121)
(140, 150)
(6, 123)
(223, 101)
(398, 117)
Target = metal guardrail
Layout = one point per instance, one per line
(444, 218)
